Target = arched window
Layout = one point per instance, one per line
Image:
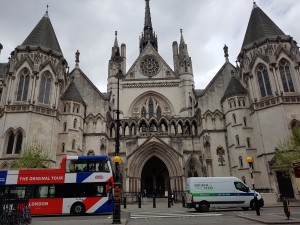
(45, 88)
(63, 147)
(286, 77)
(237, 140)
(10, 144)
(241, 161)
(158, 112)
(23, 86)
(245, 121)
(14, 142)
(263, 81)
(151, 108)
(248, 142)
(75, 123)
(65, 126)
(73, 144)
(65, 108)
(19, 143)
(144, 112)
(234, 118)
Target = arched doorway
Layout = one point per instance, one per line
(155, 177)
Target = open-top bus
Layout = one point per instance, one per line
(81, 185)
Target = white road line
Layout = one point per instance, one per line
(166, 215)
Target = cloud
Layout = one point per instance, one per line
(89, 26)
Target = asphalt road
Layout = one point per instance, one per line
(176, 215)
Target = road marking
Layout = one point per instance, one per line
(171, 215)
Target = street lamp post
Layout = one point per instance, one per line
(256, 204)
(117, 161)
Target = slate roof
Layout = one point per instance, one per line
(43, 35)
(72, 94)
(260, 27)
(234, 87)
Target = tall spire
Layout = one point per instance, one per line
(148, 36)
(147, 15)
(115, 50)
(116, 39)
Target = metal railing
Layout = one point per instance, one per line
(14, 211)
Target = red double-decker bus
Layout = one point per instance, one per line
(81, 185)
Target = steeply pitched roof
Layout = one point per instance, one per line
(260, 26)
(234, 87)
(43, 35)
(72, 94)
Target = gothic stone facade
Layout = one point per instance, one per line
(169, 129)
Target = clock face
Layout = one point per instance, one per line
(149, 66)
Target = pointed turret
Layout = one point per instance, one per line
(72, 94)
(43, 35)
(117, 63)
(234, 88)
(260, 28)
(185, 61)
(148, 36)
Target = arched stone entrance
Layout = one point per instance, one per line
(155, 177)
(143, 160)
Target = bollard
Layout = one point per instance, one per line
(286, 207)
(257, 204)
(154, 203)
(183, 201)
(169, 201)
(139, 201)
(124, 202)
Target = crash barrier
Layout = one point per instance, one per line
(14, 211)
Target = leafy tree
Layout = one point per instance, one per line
(288, 152)
(33, 155)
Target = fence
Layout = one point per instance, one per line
(14, 211)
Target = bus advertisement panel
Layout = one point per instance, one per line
(83, 184)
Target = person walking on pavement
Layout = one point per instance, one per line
(172, 197)
(145, 196)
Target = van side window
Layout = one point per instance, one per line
(241, 187)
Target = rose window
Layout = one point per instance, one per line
(149, 66)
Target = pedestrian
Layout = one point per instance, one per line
(145, 196)
(172, 197)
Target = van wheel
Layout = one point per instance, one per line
(203, 207)
(245, 208)
(78, 209)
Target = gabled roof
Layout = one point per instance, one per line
(105, 96)
(72, 94)
(234, 87)
(260, 26)
(43, 35)
(202, 92)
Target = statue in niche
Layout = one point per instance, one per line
(221, 152)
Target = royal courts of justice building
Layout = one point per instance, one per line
(169, 129)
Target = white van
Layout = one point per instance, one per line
(219, 192)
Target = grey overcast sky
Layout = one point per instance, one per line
(89, 26)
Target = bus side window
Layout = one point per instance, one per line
(42, 191)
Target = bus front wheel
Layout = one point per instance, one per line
(78, 209)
